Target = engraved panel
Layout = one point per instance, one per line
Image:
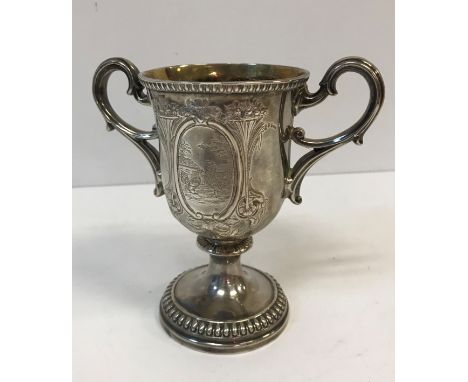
(207, 171)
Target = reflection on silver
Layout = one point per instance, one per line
(223, 163)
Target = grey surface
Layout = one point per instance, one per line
(333, 256)
(299, 33)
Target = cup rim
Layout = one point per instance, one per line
(224, 78)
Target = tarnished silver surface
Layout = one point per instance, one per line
(225, 132)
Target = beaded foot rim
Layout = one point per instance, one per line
(224, 336)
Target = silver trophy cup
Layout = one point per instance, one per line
(225, 133)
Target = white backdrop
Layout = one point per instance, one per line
(153, 33)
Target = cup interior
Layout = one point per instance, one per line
(226, 73)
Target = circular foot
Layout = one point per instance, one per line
(224, 312)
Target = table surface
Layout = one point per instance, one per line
(333, 256)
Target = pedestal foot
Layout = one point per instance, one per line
(224, 306)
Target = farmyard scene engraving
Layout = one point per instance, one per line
(206, 171)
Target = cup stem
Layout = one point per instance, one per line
(225, 265)
(224, 248)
